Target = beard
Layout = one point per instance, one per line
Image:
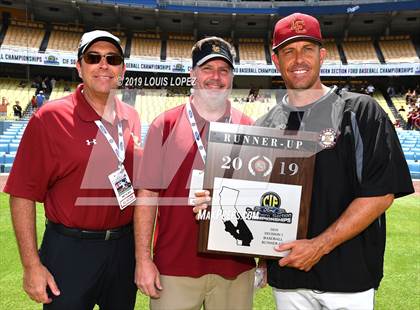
(213, 98)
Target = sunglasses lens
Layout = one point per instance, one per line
(114, 60)
(92, 58)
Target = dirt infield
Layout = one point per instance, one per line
(3, 178)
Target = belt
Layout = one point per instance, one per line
(110, 234)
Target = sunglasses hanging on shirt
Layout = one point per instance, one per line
(295, 120)
(95, 58)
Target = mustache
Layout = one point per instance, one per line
(300, 67)
(214, 82)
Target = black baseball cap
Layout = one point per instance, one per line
(212, 49)
(91, 37)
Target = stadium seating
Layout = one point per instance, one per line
(6, 168)
(4, 147)
(143, 134)
(121, 35)
(13, 147)
(333, 56)
(64, 38)
(399, 102)
(24, 34)
(384, 105)
(254, 109)
(410, 143)
(152, 103)
(360, 49)
(9, 158)
(12, 134)
(398, 49)
(59, 89)
(10, 89)
(252, 51)
(414, 166)
(146, 45)
(179, 47)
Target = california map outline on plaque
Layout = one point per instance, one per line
(241, 232)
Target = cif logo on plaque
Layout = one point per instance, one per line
(269, 210)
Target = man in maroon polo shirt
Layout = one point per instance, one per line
(81, 147)
(178, 277)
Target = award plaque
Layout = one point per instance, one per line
(260, 180)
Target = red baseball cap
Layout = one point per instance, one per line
(296, 27)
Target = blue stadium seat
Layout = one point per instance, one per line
(7, 168)
(9, 158)
(10, 133)
(2, 157)
(408, 145)
(13, 147)
(4, 148)
(409, 155)
(414, 167)
(15, 141)
(5, 141)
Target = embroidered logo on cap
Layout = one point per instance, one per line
(215, 48)
(298, 26)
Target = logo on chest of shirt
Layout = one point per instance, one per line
(328, 138)
(91, 142)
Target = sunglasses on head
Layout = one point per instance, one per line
(95, 58)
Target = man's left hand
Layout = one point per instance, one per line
(304, 254)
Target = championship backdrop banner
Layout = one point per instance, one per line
(260, 180)
(63, 59)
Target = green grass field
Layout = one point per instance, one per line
(400, 288)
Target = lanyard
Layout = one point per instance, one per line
(118, 150)
(196, 133)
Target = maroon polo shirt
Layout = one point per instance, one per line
(64, 161)
(170, 155)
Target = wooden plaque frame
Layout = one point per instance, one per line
(281, 148)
